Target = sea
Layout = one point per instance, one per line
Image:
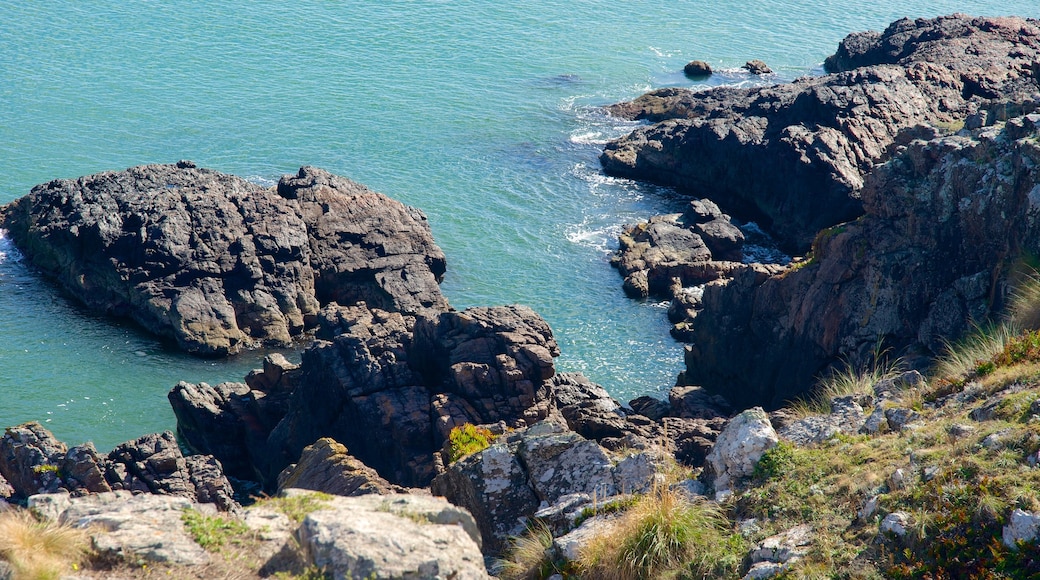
(486, 115)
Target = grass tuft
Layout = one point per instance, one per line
(849, 379)
(528, 556)
(664, 534)
(974, 353)
(40, 550)
(468, 439)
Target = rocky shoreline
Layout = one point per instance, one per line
(907, 176)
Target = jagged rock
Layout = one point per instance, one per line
(962, 202)
(29, 459)
(796, 153)
(960, 431)
(876, 422)
(154, 464)
(650, 407)
(738, 449)
(1022, 526)
(846, 417)
(697, 69)
(388, 386)
(757, 67)
(83, 470)
(493, 486)
(763, 570)
(899, 418)
(898, 480)
(6, 490)
(542, 465)
(564, 463)
(693, 438)
(677, 249)
(392, 537)
(783, 548)
(695, 403)
(219, 264)
(569, 545)
(134, 528)
(327, 467)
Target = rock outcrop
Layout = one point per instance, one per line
(326, 466)
(389, 387)
(793, 156)
(946, 222)
(871, 141)
(35, 462)
(219, 264)
(738, 448)
(543, 466)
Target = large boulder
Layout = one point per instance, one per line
(739, 447)
(402, 536)
(793, 156)
(219, 264)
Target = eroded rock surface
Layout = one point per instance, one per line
(35, 462)
(219, 264)
(946, 222)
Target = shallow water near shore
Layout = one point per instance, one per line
(483, 115)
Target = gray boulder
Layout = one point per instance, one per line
(1022, 526)
(392, 537)
(739, 447)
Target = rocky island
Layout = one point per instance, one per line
(418, 441)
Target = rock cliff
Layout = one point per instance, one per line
(219, 264)
(793, 156)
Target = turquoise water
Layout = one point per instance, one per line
(482, 114)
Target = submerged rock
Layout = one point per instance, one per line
(219, 264)
(696, 69)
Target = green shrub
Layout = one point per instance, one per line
(468, 439)
(775, 462)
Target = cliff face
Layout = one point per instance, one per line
(946, 221)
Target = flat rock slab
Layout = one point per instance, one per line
(218, 263)
(399, 536)
(147, 527)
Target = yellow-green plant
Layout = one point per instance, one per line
(39, 550)
(974, 353)
(468, 439)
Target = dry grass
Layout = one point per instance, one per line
(40, 550)
(848, 380)
(963, 358)
(527, 557)
(664, 534)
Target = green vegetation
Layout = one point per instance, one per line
(39, 550)
(468, 439)
(297, 507)
(213, 532)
